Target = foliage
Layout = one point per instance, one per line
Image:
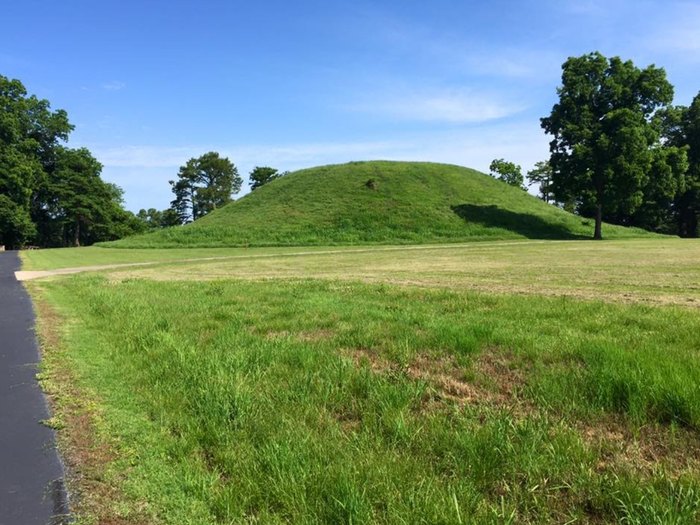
(541, 174)
(262, 175)
(204, 184)
(605, 138)
(413, 202)
(683, 131)
(153, 219)
(507, 172)
(51, 195)
(16, 226)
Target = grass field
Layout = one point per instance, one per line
(527, 382)
(407, 203)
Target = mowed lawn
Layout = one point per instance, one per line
(527, 382)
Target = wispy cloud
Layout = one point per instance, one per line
(114, 85)
(453, 53)
(446, 105)
(289, 156)
(143, 171)
(681, 35)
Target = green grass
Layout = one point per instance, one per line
(411, 203)
(607, 270)
(287, 399)
(55, 258)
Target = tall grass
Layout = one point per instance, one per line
(326, 402)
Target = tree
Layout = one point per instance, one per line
(682, 129)
(49, 194)
(204, 184)
(542, 174)
(605, 134)
(87, 208)
(16, 226)
(29, 134)
(507, 172)
(262, 175)
(153, 219)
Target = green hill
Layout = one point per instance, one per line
(378, 202)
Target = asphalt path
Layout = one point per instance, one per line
(32, 491)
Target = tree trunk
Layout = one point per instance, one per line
(598, 235)
(76, 236)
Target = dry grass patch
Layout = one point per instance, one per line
(642, 450)
(492, 380)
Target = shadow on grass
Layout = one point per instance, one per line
(530, 226)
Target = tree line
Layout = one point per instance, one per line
(621, 151)
(204, 184)
(51, 195)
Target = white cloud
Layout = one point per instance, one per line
(451, 106)
(114, 85)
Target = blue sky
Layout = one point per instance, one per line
(293, 84)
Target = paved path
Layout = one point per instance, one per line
(31, 474)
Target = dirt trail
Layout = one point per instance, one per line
(28, 275)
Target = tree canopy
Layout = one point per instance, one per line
(262, 175)
(541, 174)
(508, 172)
(204, 184)
(682, 130)
(50, 195)
(606, 144)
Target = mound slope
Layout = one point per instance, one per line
(378, 202)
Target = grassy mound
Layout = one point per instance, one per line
(378, 202)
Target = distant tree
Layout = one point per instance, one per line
(150, 217)
(262, 175)
(542, 174)
(507, 172)
(204, 184)
(605, 138)
(153, 219)
(169, 218)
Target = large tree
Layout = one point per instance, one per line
(204, 184)
(50, 195)
(605, 137)
(81, 208)
(29, 135)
